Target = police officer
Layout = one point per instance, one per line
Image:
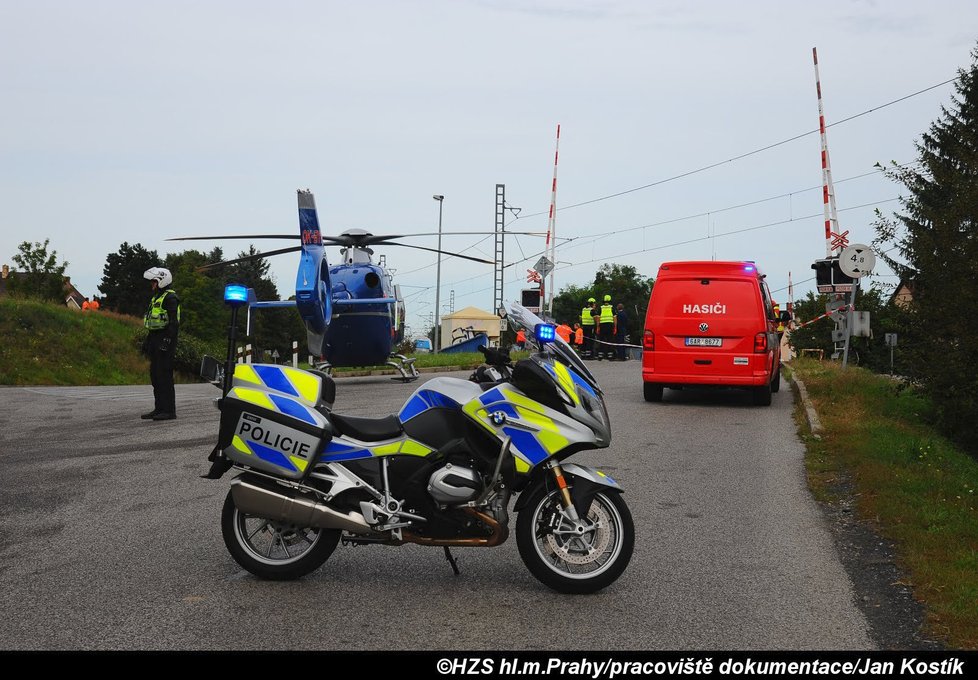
(621, 326)
(587, 323)
(162, 320)
(607, 333)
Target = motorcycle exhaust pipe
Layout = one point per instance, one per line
(500, 532)
(289, 507)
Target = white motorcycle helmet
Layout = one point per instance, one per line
(162, 276)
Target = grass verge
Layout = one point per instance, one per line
(46, 344)
(916, 487)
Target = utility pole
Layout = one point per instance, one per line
(440, 199)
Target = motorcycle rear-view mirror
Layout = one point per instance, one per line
(211, 370)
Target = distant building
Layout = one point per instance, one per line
(903, 295)
(73, 299)
(453, 325)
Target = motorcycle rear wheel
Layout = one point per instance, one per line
(579, 563)
(275, 551)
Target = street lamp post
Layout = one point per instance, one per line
(437, 343)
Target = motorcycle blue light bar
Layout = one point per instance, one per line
(235, 294)
(545, 332)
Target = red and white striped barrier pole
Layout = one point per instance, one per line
(791, 298)
(552, 228)
(833, 237)
(822, 316)
(295, 354)
(248, 353)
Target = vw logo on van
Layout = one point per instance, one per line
(704, 327)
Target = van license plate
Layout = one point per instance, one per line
(704, 342)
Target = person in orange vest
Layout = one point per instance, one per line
(86, 305)
(564, 331)
(578, 338)
(520, 339)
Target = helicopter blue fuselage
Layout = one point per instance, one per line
(363, 326)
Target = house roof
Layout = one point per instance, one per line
(71, 293)
(905, 285)
(470, 313)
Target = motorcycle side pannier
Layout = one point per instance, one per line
(271, 420)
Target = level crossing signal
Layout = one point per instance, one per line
(829, 277)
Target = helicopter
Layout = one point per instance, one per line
(353, 312)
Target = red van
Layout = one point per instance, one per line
(711, 324)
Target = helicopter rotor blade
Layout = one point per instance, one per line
(212, 238)
(247, 258)
(376, 239)
(443, 252)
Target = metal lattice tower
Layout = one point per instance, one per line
(497, 282)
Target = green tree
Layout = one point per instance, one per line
(871, 352)
(201, 293)
(936, 242)
(45, 278)
(271, 329)
(123, 286)
(623, 283)
(569, 302)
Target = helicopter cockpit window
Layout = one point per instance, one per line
(371, 279)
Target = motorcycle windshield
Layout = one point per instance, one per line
(523, 319)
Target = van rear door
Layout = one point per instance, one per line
(705, 328)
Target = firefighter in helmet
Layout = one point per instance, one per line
(587, 323)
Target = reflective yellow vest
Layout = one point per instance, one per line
(586, 318)
(607, 314)
(157, 317)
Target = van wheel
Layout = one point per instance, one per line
(776, 381)
(652, 392)
(762, 395)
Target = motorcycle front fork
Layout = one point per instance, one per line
(565, 498)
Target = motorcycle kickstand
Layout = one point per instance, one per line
(451, 560)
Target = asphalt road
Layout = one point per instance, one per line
(110, 540)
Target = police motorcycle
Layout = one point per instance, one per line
(441, 472)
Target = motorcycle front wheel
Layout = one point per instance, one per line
(575, 557)
(272, 550)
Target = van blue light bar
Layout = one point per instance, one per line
(235, 294)
(545, 332)
(749, 268)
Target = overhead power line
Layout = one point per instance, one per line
(743, 155)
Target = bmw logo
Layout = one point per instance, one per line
(704, 327)
(498, 418)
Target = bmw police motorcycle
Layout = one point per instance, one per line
(441, 472)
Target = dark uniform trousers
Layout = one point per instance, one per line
(607, 336)
(161, 375)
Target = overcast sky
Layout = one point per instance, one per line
(140, 121)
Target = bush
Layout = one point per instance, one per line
(190, 350)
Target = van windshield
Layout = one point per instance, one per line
(715, 298)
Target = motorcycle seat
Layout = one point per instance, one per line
(367, 429)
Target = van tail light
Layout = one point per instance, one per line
(648, 341)
(760, 342)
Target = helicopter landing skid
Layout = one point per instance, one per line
(406, 367)
(324, 366)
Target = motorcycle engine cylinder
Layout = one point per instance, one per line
(454, 484)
